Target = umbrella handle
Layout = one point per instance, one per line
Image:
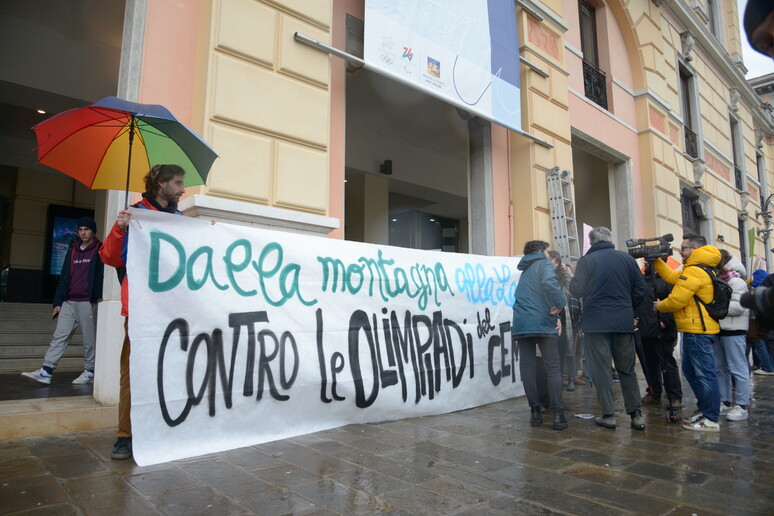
(129, 163)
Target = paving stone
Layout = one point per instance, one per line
(597, 458)
(710, 500)
(70, 466)
(667, 473)
(155, 482)
(19, 494)
(602, 475)
(423, 501)
(107, 493)
(52, 445)
(195, 501)
(227, 478)
(368, 482)
(561, 501)
(285, 475)
(284, 503)
(623, 499)
(251, 458)
(23, 467)
(338, 497)
(461, 490)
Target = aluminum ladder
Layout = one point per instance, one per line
(562, 207)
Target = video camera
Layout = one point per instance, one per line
(760, 301)
(638, 249)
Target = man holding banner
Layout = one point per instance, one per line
(163, 189)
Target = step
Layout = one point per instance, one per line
(34, 339)
(54, 416)
(24, 309)
(10, 351)
(31, 326)
(17, 365)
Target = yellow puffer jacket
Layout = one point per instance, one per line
(687, 282)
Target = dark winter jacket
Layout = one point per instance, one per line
(96, 270)
(611, 286)
(769, 283)
(537, 292)
(649, 320)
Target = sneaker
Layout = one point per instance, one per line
(693, 417)
(702, 425)
(724, 409)
(39, 376)
(649, 399)
(737, 414)
(122, 449)
(86, 377)
(676, 404)
(763, 373)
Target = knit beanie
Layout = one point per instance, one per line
(754, 14)
(758, 277)
(87, 222)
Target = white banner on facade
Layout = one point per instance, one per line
(465, 52)
(242, 336)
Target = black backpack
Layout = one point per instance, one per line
(718, 307)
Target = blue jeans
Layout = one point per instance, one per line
(731, 362)
(762, 352)
(699, 371)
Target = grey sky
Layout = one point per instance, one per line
(757, 64)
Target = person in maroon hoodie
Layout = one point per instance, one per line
(78, 291)
(163, 189)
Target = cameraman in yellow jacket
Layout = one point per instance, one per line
(698, 328)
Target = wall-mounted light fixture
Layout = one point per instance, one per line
(386, 167)
(721, 238)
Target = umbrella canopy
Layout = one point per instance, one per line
(114, 143)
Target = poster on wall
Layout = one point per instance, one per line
(464, 52)
(242, 335)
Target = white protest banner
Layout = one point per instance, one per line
(242, 336)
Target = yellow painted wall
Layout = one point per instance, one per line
(266, 106)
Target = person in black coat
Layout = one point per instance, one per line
(658, 332)
(610, 284)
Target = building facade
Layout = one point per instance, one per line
(644, 102)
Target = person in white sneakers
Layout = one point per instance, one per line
(78, 291)
(730, 350)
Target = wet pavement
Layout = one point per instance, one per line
(481, 461)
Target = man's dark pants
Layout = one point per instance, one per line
(618, 348)
(662, 364)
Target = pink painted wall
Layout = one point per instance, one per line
(169, 57)
(338, 100)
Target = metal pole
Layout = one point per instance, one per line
(129, 164)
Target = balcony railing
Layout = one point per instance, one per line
(594, 84)
(738, 178)
(691, 147)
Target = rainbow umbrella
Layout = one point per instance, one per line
(93, 144)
